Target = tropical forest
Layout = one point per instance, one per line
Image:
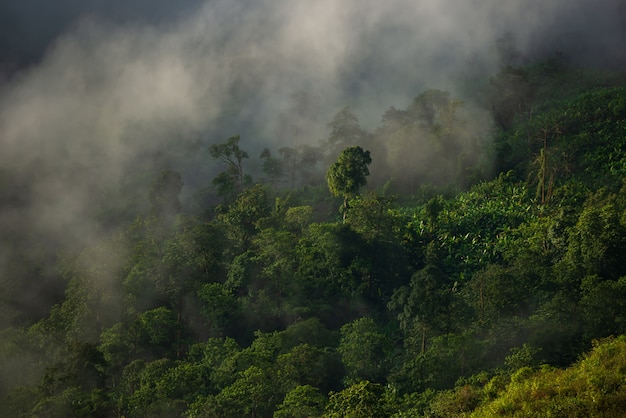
(462, 258)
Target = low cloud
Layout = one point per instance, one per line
(101, 90)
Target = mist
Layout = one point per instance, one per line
(95, 95)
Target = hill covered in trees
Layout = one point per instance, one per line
(468, 262)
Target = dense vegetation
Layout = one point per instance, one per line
(436, 286)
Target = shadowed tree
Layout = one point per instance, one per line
(362, 349)
(232, 180)
(272, 167)
(344, 131)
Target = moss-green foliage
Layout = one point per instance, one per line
(585, 137)
(593, 387)
(474, 299)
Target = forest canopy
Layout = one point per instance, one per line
(463, 258)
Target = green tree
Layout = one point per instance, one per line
(332, 262)
(361, 400)
(231, 181)
(253, 394)
(426, 306)
(219, 307)
(272, 167)
(243, 216)
(348, 174)
(297, 218)
(218, 358)
(301, 402)
(142, 396)
(603, 305)
(159, 332)
(598, 240)
(593, 387)
(308, 365)
(276, 257)
(362, 348)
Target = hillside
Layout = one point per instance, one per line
(467, 255)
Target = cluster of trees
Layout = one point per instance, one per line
(332, 299)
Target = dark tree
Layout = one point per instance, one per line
(344, 131)
(232, 180)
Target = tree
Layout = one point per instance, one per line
(308, 365)
(603, 306)
(348, 174)
(272, 167)
(276, 256)
(361, 400)
(344, 130)
(232, 180)
(330, 259)
(299, 163)
(430, 107)
(426, 305)
(362, 349)
(219, 307)
(252, 394)
(301, 402)
(244, 214)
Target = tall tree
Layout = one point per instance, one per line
(232, 180)
(244, 214)
(426, 305)
(344, 131)
(272, 167)
(349, 173)
(362, 349)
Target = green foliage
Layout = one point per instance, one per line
(362, 400)
(231, 181)
(299, 217)
(308, 365)
(444, 300)
(520, 357)
(594, 387)
(473, 229)
(272, 167)
(603, 305)
(243, 216)
(598, 240)
(276, 253)
(349, 173)
(252, 394)
(219, 307)
(570, 125)
(362, 348)
(301, 402)
(334, 262)
(427, 306)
